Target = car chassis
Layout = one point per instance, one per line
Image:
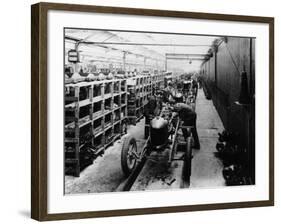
(132, 159)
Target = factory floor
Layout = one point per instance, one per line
(105, 174)
(206, 167)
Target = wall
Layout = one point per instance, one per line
(223, 77)
(223, 74)
(15, 113)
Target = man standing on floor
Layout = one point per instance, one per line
(188, 116)
(152, 109)
(194, 85)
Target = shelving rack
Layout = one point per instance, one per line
(140, 88)
(95, 116)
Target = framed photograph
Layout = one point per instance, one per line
(140, 111)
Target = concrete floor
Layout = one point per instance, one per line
(206, 168)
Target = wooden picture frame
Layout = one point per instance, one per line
(39, 108)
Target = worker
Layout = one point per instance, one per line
(179, 84)
(194, 86)
(186, 85)
(199, 80)
(169, 92)
(169, 86)
(152, 109)
(188, 116)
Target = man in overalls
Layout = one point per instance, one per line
(152, 109)
(188, 116)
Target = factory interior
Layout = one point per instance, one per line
(157, 111)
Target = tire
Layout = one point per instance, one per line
(128, 162)
(187, 162)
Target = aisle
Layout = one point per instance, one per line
(206, 168)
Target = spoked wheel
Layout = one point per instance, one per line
(129, 155)
(187, 162)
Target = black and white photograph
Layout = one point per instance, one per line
(150, 111)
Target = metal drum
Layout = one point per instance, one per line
(159, 132)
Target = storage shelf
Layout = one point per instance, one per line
(106, 96)
(82, 122)
(116, 122)
(98, 132)
(97, 115)
(97, 99)
(107, 112)
(93, 95)
(107, 127)
(139, 88)
(81, 104)
(100, 98)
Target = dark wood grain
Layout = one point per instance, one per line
(38, 112)
(271, 111)
(39, 109)
(35, 113)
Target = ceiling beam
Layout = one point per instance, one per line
(185, 55)
(187, 59)
(147, 44)
(138, 44)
